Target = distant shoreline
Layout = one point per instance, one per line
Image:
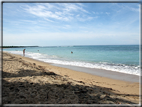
(64, 46)
(17, 46)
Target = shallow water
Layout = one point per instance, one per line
(120, 58)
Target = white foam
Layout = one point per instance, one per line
(123, 69)
(16, 52)
(135, 70)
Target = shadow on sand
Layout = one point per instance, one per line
(35, 93)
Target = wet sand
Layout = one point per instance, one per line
(104, 73)
(28, 81)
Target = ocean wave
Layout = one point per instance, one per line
(135, 70)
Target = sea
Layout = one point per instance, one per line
(116, 58)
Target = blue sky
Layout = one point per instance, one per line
(52, 24)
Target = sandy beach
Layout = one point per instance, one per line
(28, 81)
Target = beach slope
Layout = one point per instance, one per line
(28, 81)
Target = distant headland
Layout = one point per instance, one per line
(17, 46)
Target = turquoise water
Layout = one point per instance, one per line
(119, 58)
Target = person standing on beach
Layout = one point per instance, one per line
(24, 52)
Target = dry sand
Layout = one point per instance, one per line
(28, 81)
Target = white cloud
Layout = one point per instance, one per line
(28, 21)
(86, 18)
(123, 7)
(99, 13)
(66, 26)
(73, 7)
(134, 9)
(69, 21)
(59, 11)
(96, 12)
(107, 13)
(48, 20)
(49, 6)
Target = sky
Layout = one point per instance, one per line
(58, 24)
